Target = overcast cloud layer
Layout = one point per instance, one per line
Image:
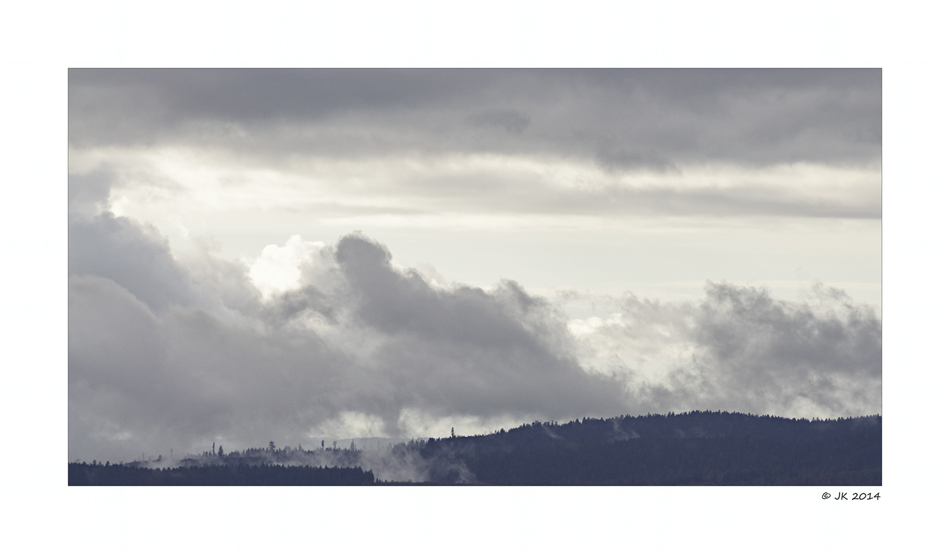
(744, 142)
(621, 119)
(320, 331)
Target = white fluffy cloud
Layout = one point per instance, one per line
(277, 269)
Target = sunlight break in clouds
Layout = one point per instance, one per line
(277, 269)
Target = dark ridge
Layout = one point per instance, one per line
(694, 448)
(217, 475)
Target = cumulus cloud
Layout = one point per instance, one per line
(174, 354)
(792, 357)
(167, 353)
(740, 349)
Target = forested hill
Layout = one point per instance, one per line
(695, 448)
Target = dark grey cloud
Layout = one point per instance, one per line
(136, 257)
(146, 382)
(829, 356)
(618, 118)
(511, 121)
(88, 193)
(478, 352)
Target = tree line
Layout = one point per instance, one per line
(692, 448)
(83, 474)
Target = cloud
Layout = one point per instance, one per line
(197, 358)
(88, 193)
(198, 149)
(362, 341)
(277, 269)
(740, 349)
(133, 256)
(825, 358)
(469, 351)
(511, 121)
(556, 188)
(621, 119)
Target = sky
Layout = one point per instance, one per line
(297, 255)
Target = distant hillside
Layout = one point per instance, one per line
(695, 448)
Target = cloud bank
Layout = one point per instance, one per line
(164, 353)
(620, 118)
(792, 143)
(176, 353)
(739, 348)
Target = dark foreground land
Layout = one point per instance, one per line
(218, 475)
(696, 448)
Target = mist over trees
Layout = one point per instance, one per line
(694, 448)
